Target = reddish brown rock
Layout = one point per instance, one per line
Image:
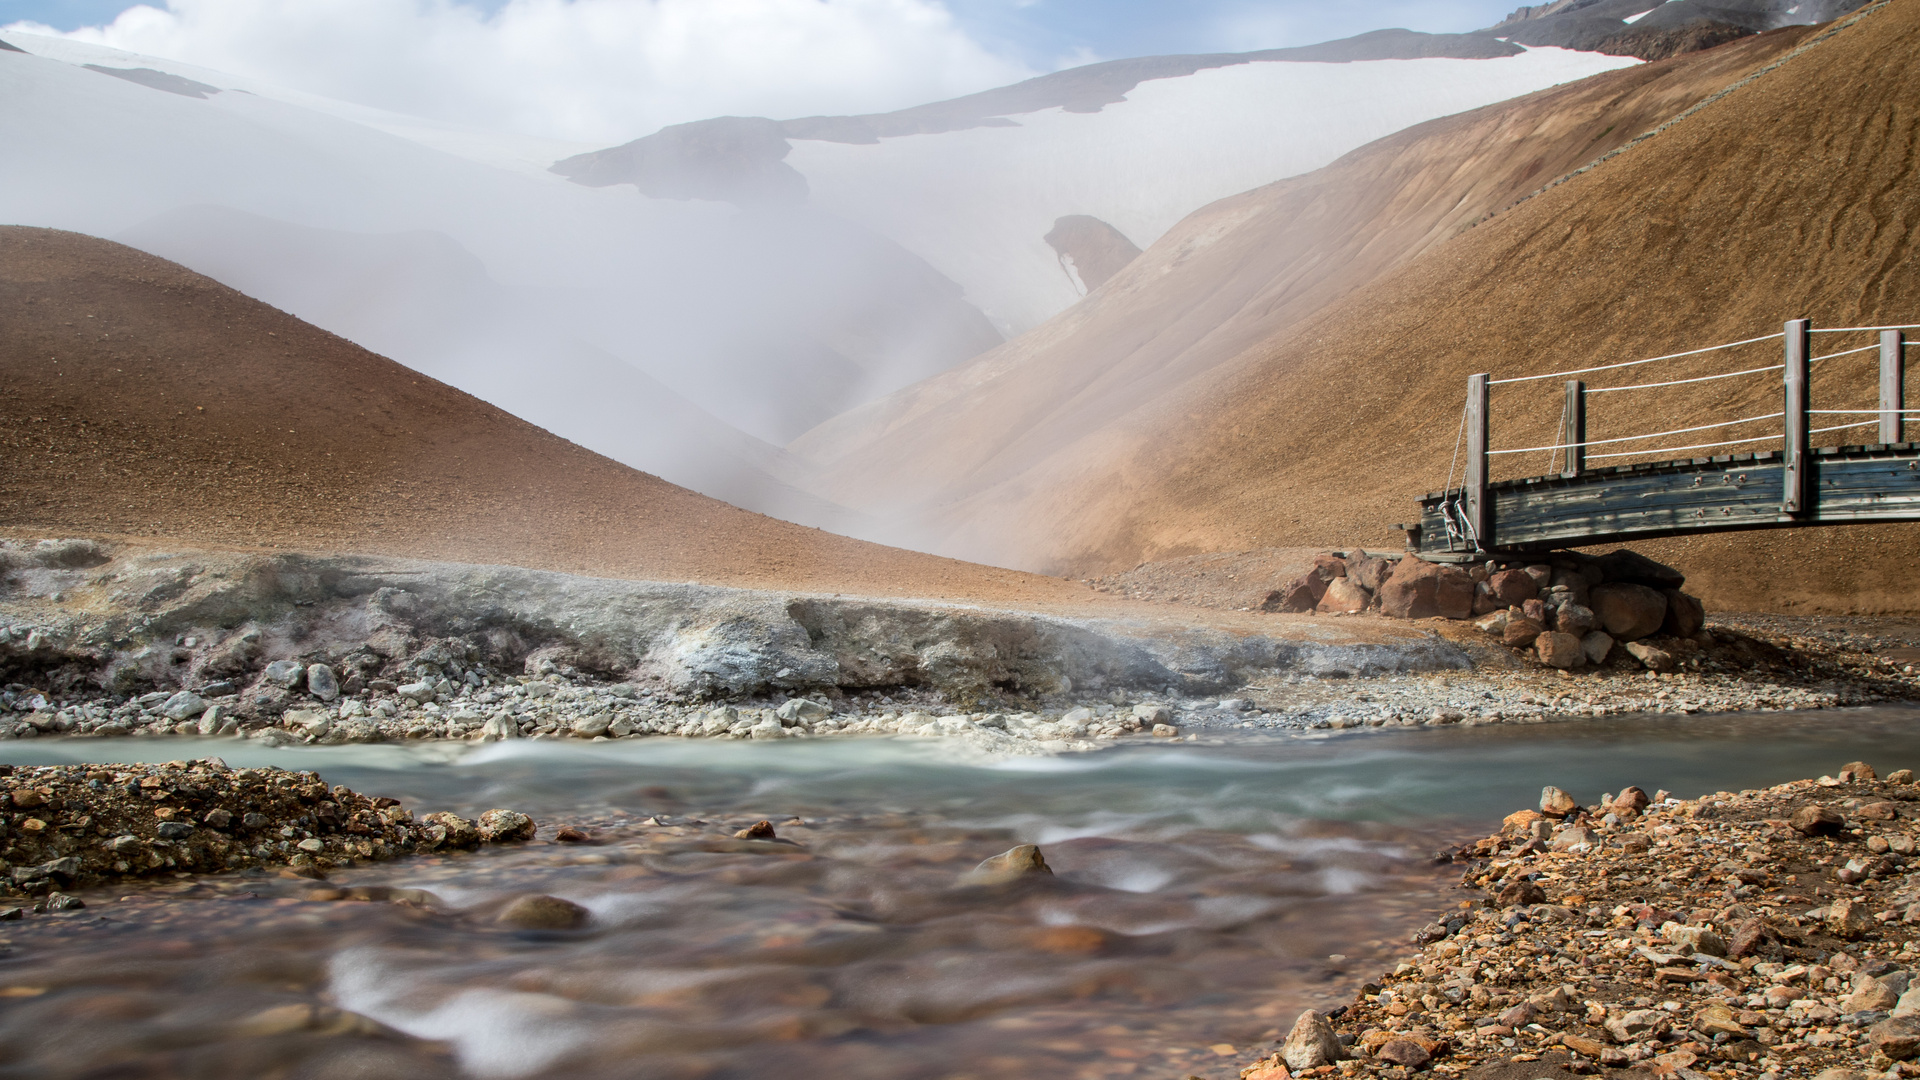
(1811, 820)
(1629, 612)
(1557, 650)
(1512, 587)
(1535, 610)
(1630, 801)
(1301, 594)
(1858, 770)
(1419, 590)
(1521, 892)
(1368, 571)
(1328, 567)
(1576, 619)
(1404, 1052)
(1344, 594)
(1521, 633)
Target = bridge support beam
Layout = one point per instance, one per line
(1793, 496)
(1576, 428)
(1893, 398)
(1479, 506)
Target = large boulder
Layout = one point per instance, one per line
(1559, 650)
(1344, 594)
(1633, 568)
(1685, 615)
(1311, 1044)
(1420, 590)
(1510, 587)
(1368, 571)
(1629, 611)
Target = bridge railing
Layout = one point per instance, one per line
(1467, 509)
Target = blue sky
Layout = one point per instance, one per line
(1044, 33)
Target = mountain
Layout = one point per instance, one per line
(139, 398)
(768, 320)
(975, 185)
(1286, 367)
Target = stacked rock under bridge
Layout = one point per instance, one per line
(1566, 610)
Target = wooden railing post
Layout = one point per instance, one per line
(1893, 397)
(1576, 428)
(1796, 466)
(1479, 507)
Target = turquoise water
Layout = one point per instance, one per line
(1202, 895)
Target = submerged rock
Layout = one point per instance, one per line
(541, 912)
(1008, 866)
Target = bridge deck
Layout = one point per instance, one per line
(1847, 485)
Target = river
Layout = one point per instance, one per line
(1203, 894)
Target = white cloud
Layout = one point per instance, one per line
(593, 70)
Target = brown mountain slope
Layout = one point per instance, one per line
(1230, 276)
(1793, 194)
(138, 398)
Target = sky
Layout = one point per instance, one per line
(604, 70)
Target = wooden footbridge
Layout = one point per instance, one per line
(1793, 484)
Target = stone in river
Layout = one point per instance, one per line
(589, 726)
(1898, 1037)
(1007, 866)
(540, 912)
(1403, 1052)
(1311, 1044)
(287, 673)
(453, 830)
(501, 826)
(1812, 820)
(801, 709)
(1559, 650)
(1597, 645)
(1556, 803)
(322, 682)
(1651, 658)
(1629, 612)
(183, 705)
(1150, 714)
(498, 727)
(759, 830)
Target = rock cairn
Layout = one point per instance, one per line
(1761, 933)
(1567, 611)
(71, 826)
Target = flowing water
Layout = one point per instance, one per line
(1202, 896)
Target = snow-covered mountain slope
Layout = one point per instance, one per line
(978, 203)
(975, 185)
(771, 320)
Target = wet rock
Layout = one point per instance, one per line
(1629, 612)
(1557, 650)
(1521, 632)
(1152, 714)
(1652, 658)
(1008, 866)
(759, 830)
(1815, 820)
(322, 683)
(1165, 731)
(1311, 1044)
(1344, 594)
(504, 826)
(287, 674)
(541, 912)
(1556, 803)
(802, 710)
(450, 830)
(1404, 1052)
(183, 705)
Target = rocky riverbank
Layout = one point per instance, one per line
(74, 826)
(1762, 933)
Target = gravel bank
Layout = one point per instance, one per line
(73, 826)
(1761, 933)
